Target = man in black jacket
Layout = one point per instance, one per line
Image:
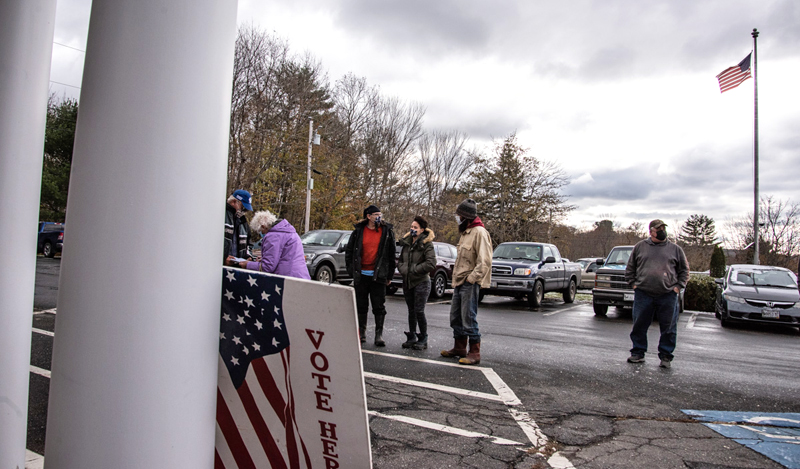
(237, 230)
(369, 258)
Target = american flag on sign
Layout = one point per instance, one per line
(256, 424)
(732, 77)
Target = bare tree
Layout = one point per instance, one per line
(443, 163)
(779, 234)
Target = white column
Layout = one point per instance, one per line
(26, 43)
(136, 342)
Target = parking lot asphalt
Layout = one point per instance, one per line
(554, 390)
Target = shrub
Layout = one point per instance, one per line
(700, 293)
(717, 267)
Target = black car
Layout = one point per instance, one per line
(758, 293)
(442, 275)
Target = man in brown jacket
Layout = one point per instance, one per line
(472, 271)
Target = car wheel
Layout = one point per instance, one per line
(600, 310)
(48, 250)
(391, 290)
(480, 296)
(439, 285)
(324, 274)
(725, 320)
(569, 293)
(537, 295)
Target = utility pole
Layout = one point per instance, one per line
(309, 181)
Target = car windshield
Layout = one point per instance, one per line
(584, 263)
(763, 278)
(518, 251)
(320, 238)
(619, 256)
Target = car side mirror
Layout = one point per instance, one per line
(600, 262)
(719, 281)
(340, 248)
(550, 260)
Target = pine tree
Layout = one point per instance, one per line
(717, 267)
(698, 230)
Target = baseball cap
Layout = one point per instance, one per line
(244, 197)
(657, 224)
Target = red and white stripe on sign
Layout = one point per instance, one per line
(256, 424)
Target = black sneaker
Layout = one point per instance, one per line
(665, 363)
(636, 359)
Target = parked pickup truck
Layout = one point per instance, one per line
(611, 289)
(51, 238)
(532, 269)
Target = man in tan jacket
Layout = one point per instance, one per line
(472, 271)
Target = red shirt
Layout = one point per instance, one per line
(370, 241)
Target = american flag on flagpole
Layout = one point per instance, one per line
(732, 77)
(258, 399)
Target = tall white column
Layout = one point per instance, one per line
(26, 43)
(136, 342)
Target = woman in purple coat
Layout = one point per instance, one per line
(281, 248)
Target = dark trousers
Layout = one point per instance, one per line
(369, 291)
(665, 309)
(416, 298)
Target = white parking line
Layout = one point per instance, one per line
(445, 428)
(692, 319)
(436, 387)
(33, 460)
(40, 371)
(561, 310)
(504, 394)
(43, 332)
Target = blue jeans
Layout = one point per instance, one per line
(464, 312)
(665, 309)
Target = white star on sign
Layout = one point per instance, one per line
(246, 351)
(240, 319)
(277, 324)
(264, 296)
(246, 313)
(234, 360)
(251, 281)
(231, 276)
(256, 347)
(229, 295)
(249, 302)
(278, 289)
(221, 335)
(258, 325)
(275, 342)
(226, 317)
(277, 311)
(241, 300)
(237, 340)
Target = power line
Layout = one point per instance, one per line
(69, 47)
(64, 84)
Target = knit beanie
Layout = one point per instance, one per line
(467, 209)
(370, 210)
(421, 222)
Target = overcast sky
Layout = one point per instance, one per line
(621, 93)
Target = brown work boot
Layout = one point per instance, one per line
(458, 350)
(474, 355)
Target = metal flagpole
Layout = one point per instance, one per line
(26, 43)
(755, 147)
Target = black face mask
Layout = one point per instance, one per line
(661, 235)
(463, 226)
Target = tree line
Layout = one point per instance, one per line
(375, 149)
